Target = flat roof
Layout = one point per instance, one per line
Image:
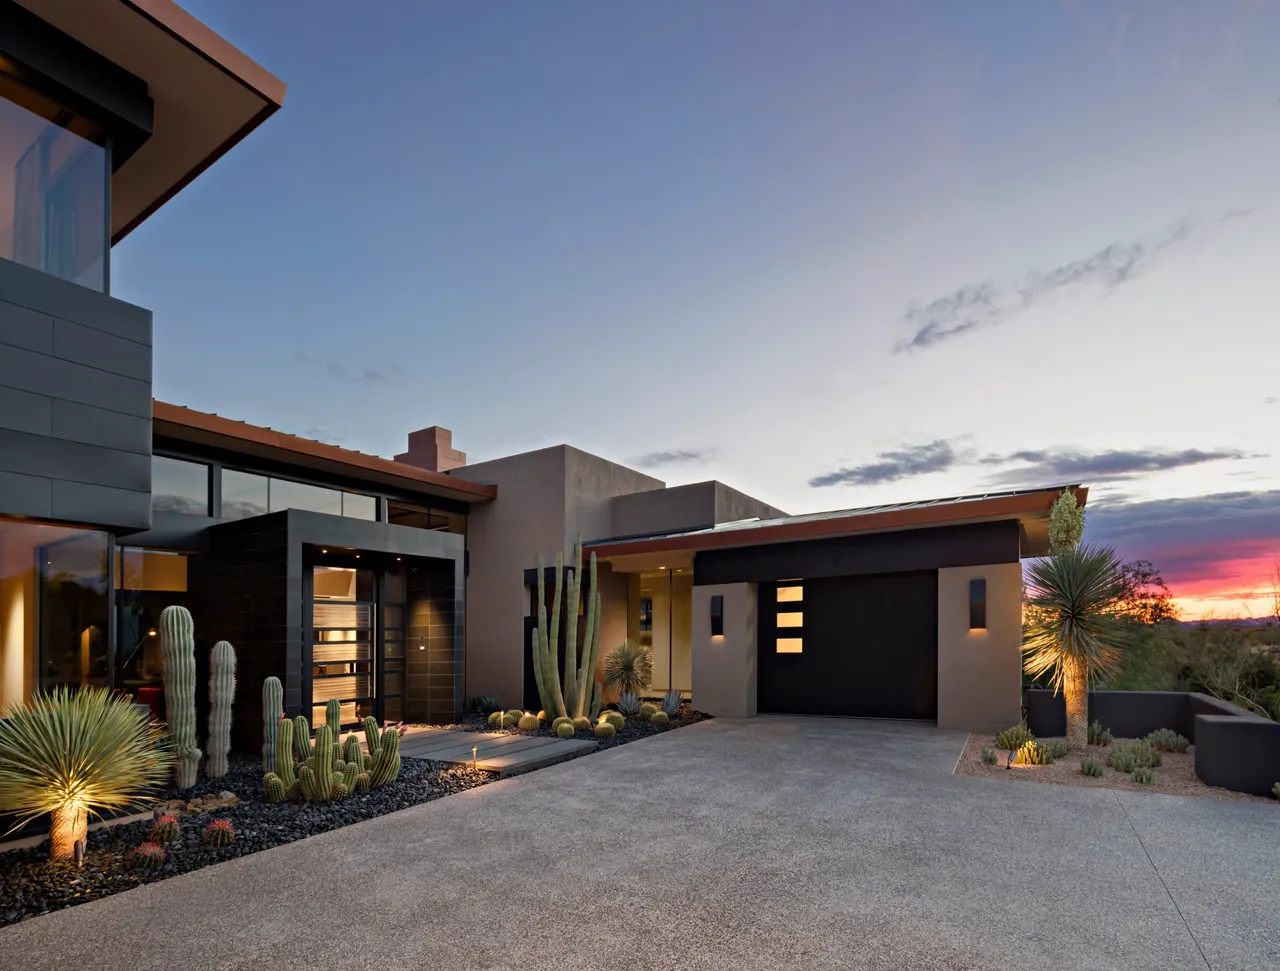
(1029, 506)
(208, 95)
(202, 428)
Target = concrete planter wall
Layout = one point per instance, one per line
(1234, 749)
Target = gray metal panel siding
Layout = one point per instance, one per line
(75, 402)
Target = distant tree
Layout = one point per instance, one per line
(1145, 598)
(1066, 522)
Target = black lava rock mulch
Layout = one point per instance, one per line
(30, 885)
(634, 730)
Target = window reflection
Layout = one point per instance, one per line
(243, 494)
(179, 487)
(298, 495)
(422, 517)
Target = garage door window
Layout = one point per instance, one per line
(790, 617)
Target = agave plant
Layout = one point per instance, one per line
(629, 703)
(628, 667)
(74, 753)
(1074, 631)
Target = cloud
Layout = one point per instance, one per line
(986, 304)
(340, 372)
(678, 456)
(1040, 466)
(1271, 400)
(935, 456)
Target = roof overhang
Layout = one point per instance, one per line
(207, 94)
(213, 431)
(1029, 508)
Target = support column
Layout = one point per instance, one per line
(724, 665)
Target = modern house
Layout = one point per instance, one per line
(398, 586)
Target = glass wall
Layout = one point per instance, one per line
(179, 487)
(53, 187)
(146, 582)
(246, 494)
(660, 617)
(342, 645)
(422, 517)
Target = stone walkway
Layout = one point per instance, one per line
(494, 751)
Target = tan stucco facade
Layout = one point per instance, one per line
(724, 667)
(980, 671)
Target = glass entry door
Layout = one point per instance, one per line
(343, 610)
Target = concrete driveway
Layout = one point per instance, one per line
(776, 843)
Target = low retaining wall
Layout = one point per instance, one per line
(1234, 749)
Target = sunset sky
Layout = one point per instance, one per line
(832, 253)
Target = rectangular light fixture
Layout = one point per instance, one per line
(717, 616)
(978, 604)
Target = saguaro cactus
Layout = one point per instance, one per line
(272, 709)
(572, 697)
(222, 692)
(177, 637)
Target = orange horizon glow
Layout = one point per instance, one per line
(1239, 587)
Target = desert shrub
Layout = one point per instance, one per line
(1167, 740)
(1015, 737)
(605, 730)
(988, 757)
(1142, 776)
(629, 703)
(1091, 768)
(659, 718)
(628, 667)
(565, 730)
(164, 830)
(1128, 754)
(1032, 753)
(527, 723)
(1099, 735)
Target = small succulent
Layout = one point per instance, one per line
(528, 723)
(1032, 753)
(146, 857)
(482, 703)
(565, 730)
(562, 720)
(1127, 754)
(629, 703)
(1143, 776)
(164, 830)
(220, 832)
(1057, 748)
(604, 730)
(671, 703)
(1015, 737)
(988, 757)
(1091, 768)
(1167, 740)
(1099, 735)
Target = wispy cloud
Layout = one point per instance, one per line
(1271, 400)
(936, 456)
(1106, 466)
(340, 372)
(678, 456)
(986, 304)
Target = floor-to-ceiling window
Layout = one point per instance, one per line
(146, 582)
(660, 616)
(343, 610)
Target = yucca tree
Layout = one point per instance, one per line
(73, 753)
(1073, 630)
(628, 667)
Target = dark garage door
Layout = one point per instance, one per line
(862, 646)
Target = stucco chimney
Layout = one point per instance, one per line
(432, 449)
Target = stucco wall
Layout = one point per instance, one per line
(692, 506)
(980, 671)
(724, 667)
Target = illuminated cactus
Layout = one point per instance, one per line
(177, 637)
(272, 709)
(222, 692)
(573, 696)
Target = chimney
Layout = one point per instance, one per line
(432, 449)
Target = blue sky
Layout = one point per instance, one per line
(832, 253)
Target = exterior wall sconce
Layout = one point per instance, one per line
(978, 604)
(717, 616)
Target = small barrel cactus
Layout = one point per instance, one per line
(604, 730)
(1091, 768)
(659, 718)
(582, 724)
(146, 857)
(616, 720)
(496, 718)
(542, 716)
(647, 710)
(988, 756)
(515, 713)
(220, 832)
(164, 830)
(565, 729)
(562, 720)
(527, 723)
(511, 721)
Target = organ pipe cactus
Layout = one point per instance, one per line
(571, 696)
(282, 783)
(317, 778)
(272, 710)
(177, 637)
(301, 738)
(222, 692)
(386, 764)
(333, 717)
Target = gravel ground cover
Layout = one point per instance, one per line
(30, 885)
(634, 730)
(1176, 774)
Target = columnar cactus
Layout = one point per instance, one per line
(177, 637)
(351, 751)
(372, 736)
(222, 692)
(282, 783)
(272, 709)
(573, 696)
(301, 738)
(316, 778)
(333, 717)
(386, 764)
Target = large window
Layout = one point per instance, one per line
(422, 517)
(146, 582)
(245, 494)
(53, 187)
(179, 487)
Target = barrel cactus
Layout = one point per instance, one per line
(272, 712)
(659, 718)
(562, 720)
(220, 832)
(604, 730)
(177, 637)
(616, 720)
(222, 693)
(164, 830)
(515, 713)
(527, 723)
(496, 718)
(582, 724)
(647, 710)
(146, 858)
(565, 730)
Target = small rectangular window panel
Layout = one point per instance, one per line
(793, 594)
(795, 619)
(790, 645)
(978, 604)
